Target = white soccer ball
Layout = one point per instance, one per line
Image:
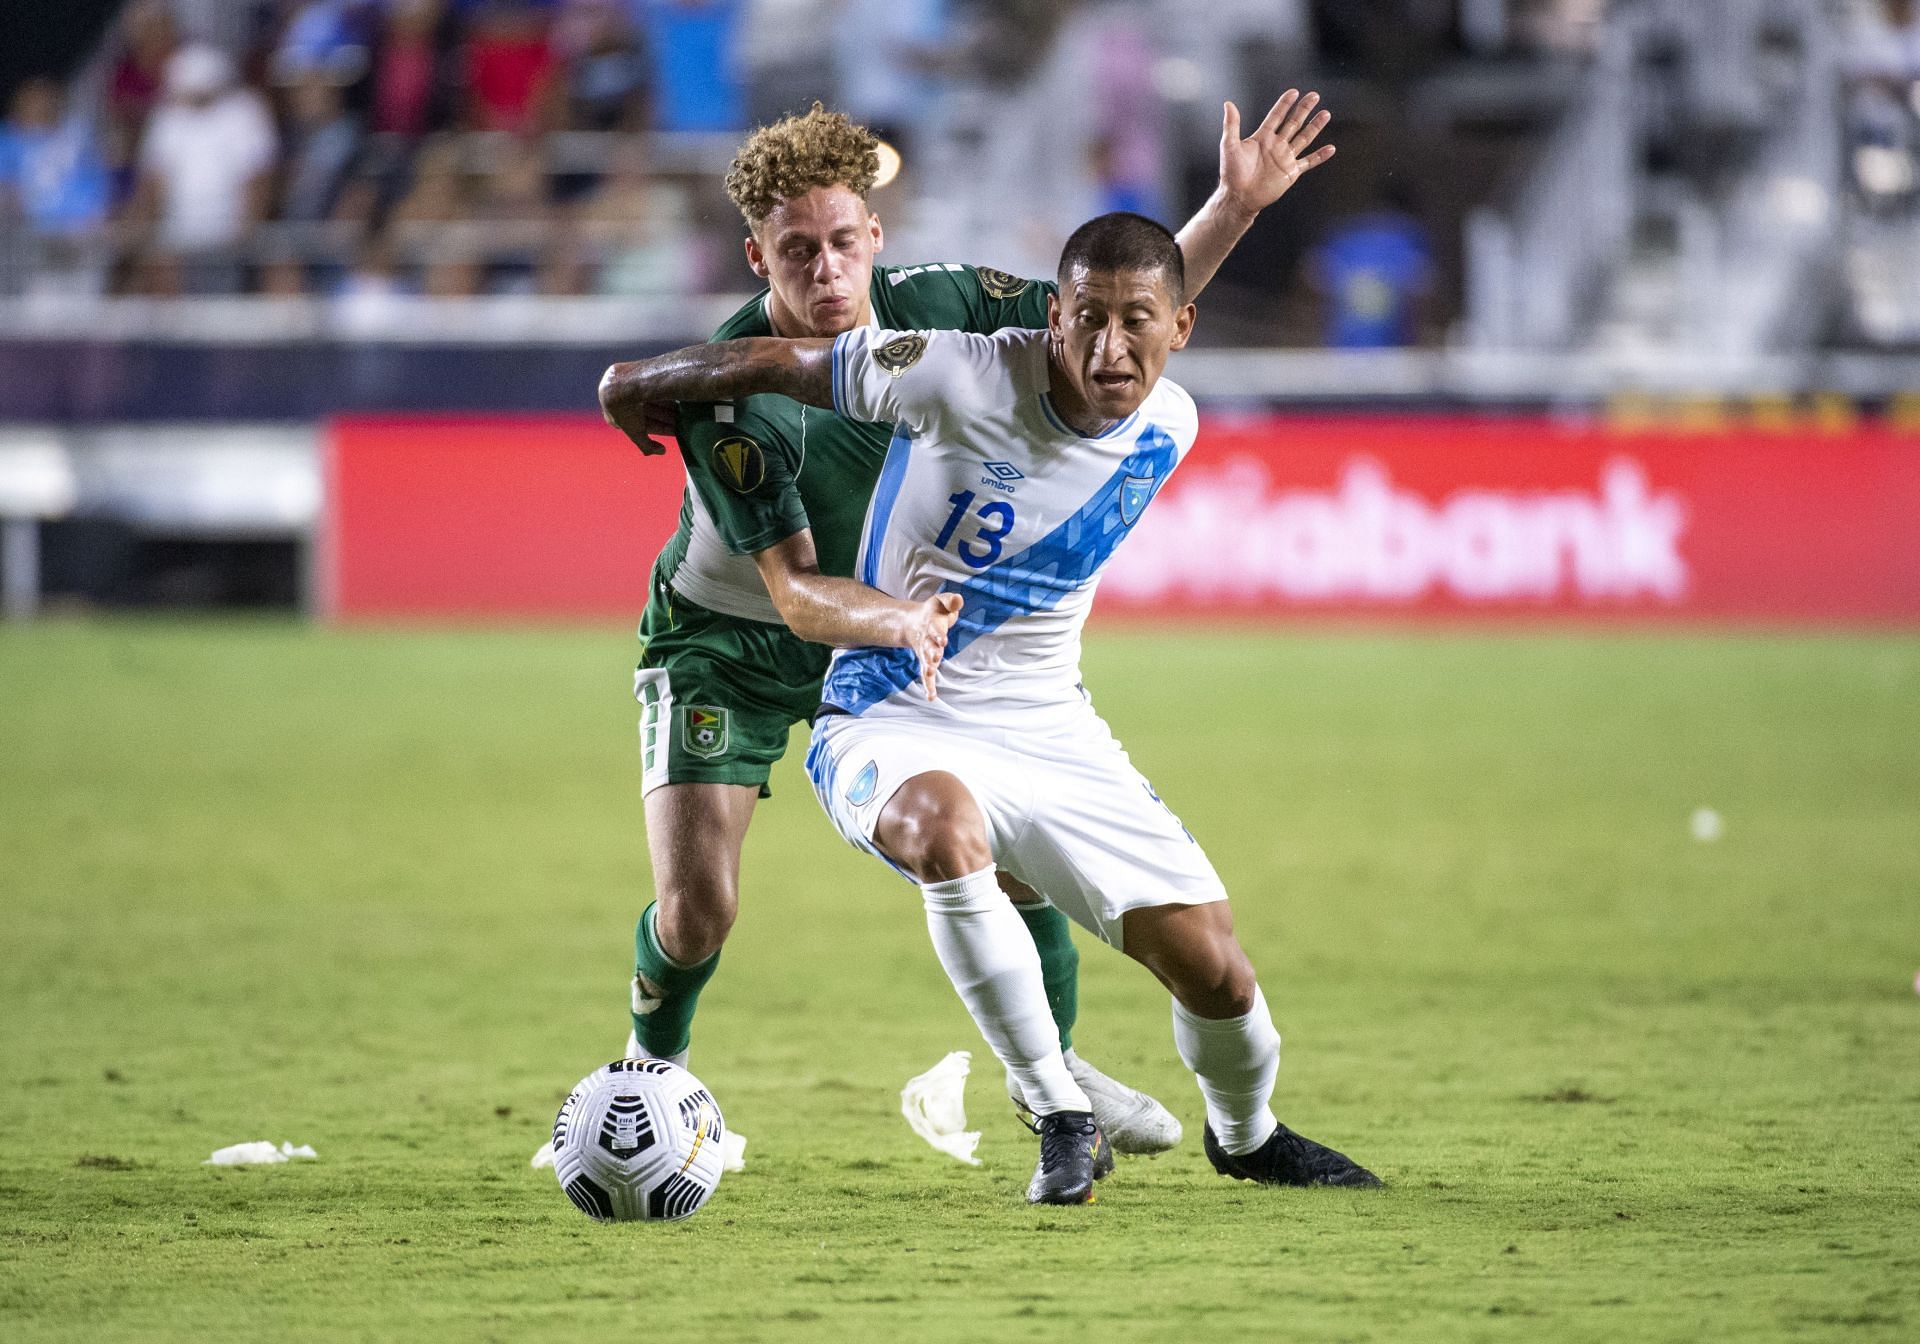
(638, 1139)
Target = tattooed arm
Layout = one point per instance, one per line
(720, 371)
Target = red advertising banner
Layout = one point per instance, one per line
(1459, 516)
(495, 516)
(1271, 517)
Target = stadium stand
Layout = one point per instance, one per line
(262, 214)
(572, 148)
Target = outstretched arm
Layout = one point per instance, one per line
(849, 614)
(719, 371)
(1254, 173)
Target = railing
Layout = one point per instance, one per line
(1531, 269)
(687, 166)
(1760, 70)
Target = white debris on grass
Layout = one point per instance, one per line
(935, 1105)
(1707, 826)
(257, 1154)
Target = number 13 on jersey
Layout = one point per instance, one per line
(996, 520)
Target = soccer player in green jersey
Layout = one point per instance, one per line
(763, 557)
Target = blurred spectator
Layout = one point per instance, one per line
(604, 80)
(691, 44)
(783, 51)
(437, 193)
(1558, 27)
(322, 140)
(207, 156)
(1027, 116)
(328, 39)
(1121, 189)
(51, 173)
(506, 67)
(409, 88)
(148, 36)
(428, 225)
(632, 237)
(1129, 135)
(510, 220)
(885, 53)
(1374, 273)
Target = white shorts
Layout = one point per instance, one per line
(1066, 811)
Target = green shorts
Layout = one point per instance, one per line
(718, 693)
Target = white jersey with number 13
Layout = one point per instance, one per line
(988, 493)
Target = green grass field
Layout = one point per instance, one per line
(374, 892)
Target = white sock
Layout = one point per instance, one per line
(990, 958)
(1235, 1060)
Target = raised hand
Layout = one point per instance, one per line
(1258, 170)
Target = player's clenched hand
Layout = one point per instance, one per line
(661, 428)
(644, 422)
(927, 634)
(1257, 171)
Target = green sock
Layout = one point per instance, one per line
(666, 1030)
(1059, 965)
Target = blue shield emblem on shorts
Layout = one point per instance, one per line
(1135, 492)
(860, 792)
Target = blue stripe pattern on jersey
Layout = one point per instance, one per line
(886, 492)
(1037, 579)
(838, 364)
(820, 769)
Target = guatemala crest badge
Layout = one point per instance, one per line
(706, 731)
(1135, 492)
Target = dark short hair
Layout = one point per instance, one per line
(1123, 241)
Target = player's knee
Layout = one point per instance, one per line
(932, 828)
(1214, 979)
(695, 916)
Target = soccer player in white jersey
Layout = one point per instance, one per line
(1019, 463)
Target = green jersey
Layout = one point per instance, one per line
(761, 469)
(721, 679)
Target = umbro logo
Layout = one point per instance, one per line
(1006, 471)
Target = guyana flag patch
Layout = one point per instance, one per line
(704, 731)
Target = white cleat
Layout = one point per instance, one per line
(1133, 1122)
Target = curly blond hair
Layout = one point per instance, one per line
(791, 157)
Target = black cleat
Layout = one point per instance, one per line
(1073, 1155)
(1288, 1159)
